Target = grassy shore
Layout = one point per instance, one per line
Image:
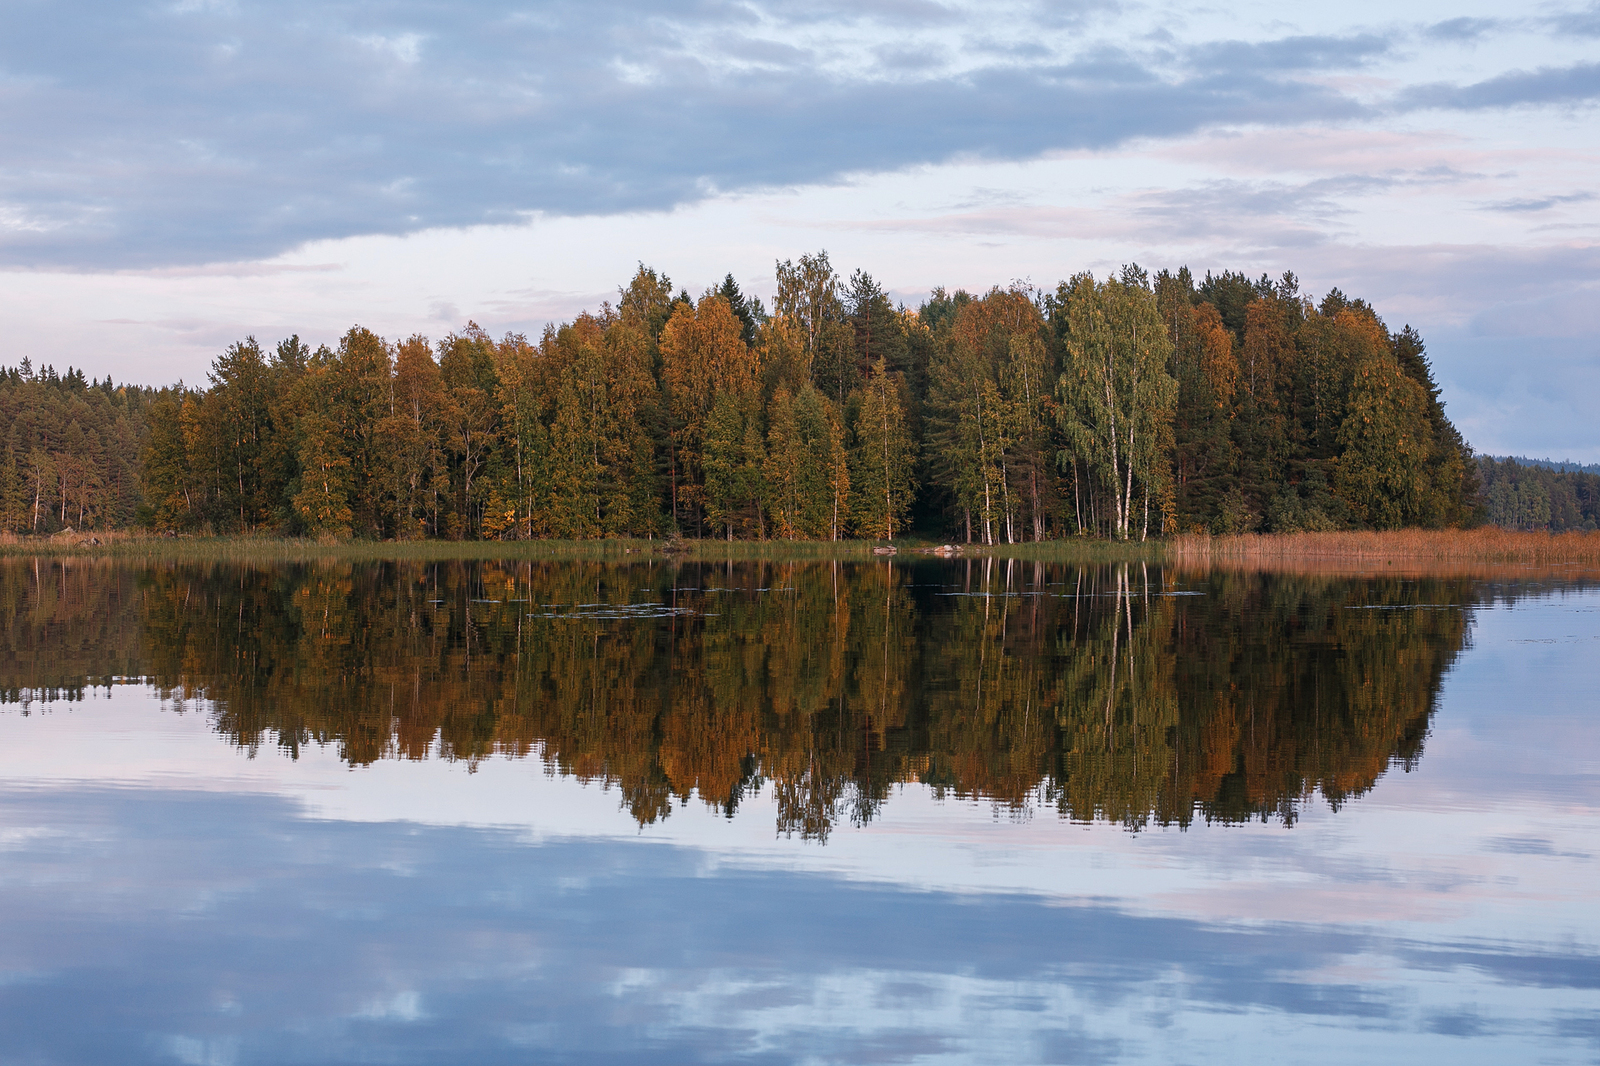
(1409, 549)
(1488, 551)
(134, 546)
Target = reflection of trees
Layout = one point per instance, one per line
(65, 625)
(1094, 691)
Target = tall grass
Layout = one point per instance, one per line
(1489, 549)
(1410, 548)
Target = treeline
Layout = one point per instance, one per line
(69, 450)
(1122, 407)
(1521, 495)
(1559, 465)
(1084, 691)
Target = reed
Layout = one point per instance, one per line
(1429, 549)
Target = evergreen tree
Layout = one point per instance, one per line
(1204, 455)
(13, 494)
(1382, 472)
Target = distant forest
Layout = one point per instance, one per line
(1125, 407)
(1524, 494)
(1561, 466)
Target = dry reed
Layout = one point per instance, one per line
(1488, 552)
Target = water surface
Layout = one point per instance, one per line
(970, 811)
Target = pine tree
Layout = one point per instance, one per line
(13, 494)
(1382, 471)
(1204, 456)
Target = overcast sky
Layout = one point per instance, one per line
(175, 176)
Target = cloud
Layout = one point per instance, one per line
(1542, 203)
(1585, 23)
(153, 136)
(1227, 216)
(1292, 53)
(1578, 83)
(191, 134)
(1462, 29)
(234, 922)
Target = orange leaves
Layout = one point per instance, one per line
(703, 352)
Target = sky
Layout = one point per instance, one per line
(176, 176)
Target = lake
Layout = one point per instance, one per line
(975, 810)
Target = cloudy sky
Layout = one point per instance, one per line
(174, 176)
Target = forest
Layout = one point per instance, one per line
(1092, 691)
(1529, 495)
(1125, 407)
(71, 450)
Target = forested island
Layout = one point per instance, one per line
(1125, 407)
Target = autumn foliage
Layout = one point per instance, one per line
(1124, 407)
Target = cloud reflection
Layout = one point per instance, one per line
(149, 925)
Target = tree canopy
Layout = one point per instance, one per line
(1127, 406)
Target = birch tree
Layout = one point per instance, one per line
(1116, 394)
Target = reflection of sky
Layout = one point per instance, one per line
(166, 899)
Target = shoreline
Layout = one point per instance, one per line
(1361, 551)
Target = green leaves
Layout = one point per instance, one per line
(1117, 396)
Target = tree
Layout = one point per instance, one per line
(238, 413)
(343, 398)
(467, 366)
(806, 466)
(40, 473)
(1382, 472)
(986, 395)
(326, 480)
(809, 296)
(1451, 496)
(13, 494)
(1116, 393)
(733, 465)
(1204, 456)
(412, 435)
(164, 464)
(749, 312)
(631, 486)
(883, 471)
(702, 354)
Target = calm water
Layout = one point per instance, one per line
(890, 812)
